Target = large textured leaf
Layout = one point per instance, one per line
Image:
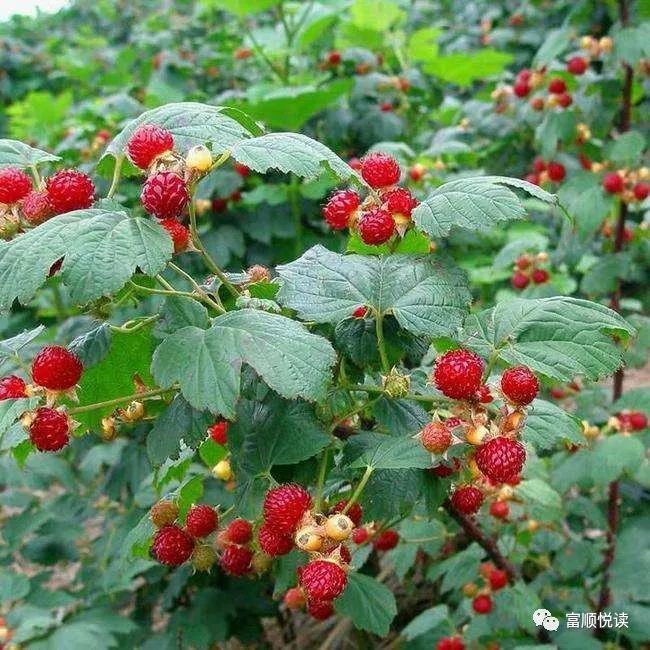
(462, 68)
(380, 451)
(241, 7)
(102, 249)
(290, 152)
(206, 363)
(191, 124)
(423, 294)
(547, 425)
(474, 204)
(559, 337)
(16, 154)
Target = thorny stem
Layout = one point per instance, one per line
(121, 400)
(322, 471)
(196, 287)
(377, 390)
(359, 489)
(126, 328)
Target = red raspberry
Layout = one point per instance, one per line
(539, 165)
(12, 387)
(322, 580)
(242, 53)
(565, 100)
(435, 437)
(294, 598)
(519, 385)
(164, 195)
(577, 65)
(179, 234)
(467, 499)
(321, 610)
(558, 393)
(482, 604)
(458, 374)
(498, 579)
(386, 107)
(36, 208)
(235, 197)
(556, 171)
(540, 276)
(239, 531)
(70, 190)
(14, 185)
(380, 170)
(236, 560)
(500, 458)
(537, 104)
(641, 191)
(242, 170)
(633, 420)
(49, 430)
(355, 512)
(360, 535)
(519, 280)
(417, 171)
(273, 542)
(556, 86)
(521, 89)
(334, 57)
(399, 201)
(340, 207)
(386, 540)
(219, 432)
(499, 509)
(360, 312)
(532, 178)
(355, 163)
(284, 507)
(450, 643)
(219, 204)
(343, 553)
(56, 368)
(376, 226)
(613, 183)
(483, 395)
(524, 74)
(147, 143)
(172, 545)
(202, 520)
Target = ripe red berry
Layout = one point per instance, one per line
(467, 499)
(577, 65)
(284, 507)
(219, 204)
(56, 368)
(556, 171)
(202, 520)
(15, 184)
(641, 191)
(444, 471)
(178, 233)
(340, 207)
(500, 458)
(355, 163)
(417, 171)
(613, 183)
(12, 387)
(219, 432)
(483, 395)
(519, 385)
(273, 542)
(386, 107)
(147, 143)
(457, 374)
(638, 420)
(482, 604)
(435, 437)
(360, 535)
(532, 178)
(565, 100)
(355, 512)
(236, 560)
(499, 509)
(242, 53)
(524, 74)
(243, 170)
(537, 104)
(380, 170)
(36, 208)
(540, 276)
(450, 643)
(360, 312)
(49, 430)
(557, 86)
(521, 89)
(539, 165)
(70, 190)
(322, 580)
(321, 610)
(164, 195)
(294, 598)
(334, 57)
(239, 531)
(376, 226)
(498, 579)
(343, 552)
(172, 545)
(399, 201)
(386, 540)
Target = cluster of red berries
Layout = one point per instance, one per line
(493, 580)
(527, 268)
(64, 191)
(632, 420)
(383, 213)
(543, 172)
(55, 371)
(629, 185)
(174, 545)
(450, 643)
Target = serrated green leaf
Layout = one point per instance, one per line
(92, 346)
(554, 129)
(241, 7)
(423, 294)
(458, 569)
(542, 501)
(547, 425)
(556, 41)
(16, 154)
(463, 68)
(381, 451)
(425, 621)
(626, 150)
(634, 398)
(614, 456)
(603, 277)
(178, 312)
(13, 345)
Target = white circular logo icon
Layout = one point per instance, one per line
(543, 617)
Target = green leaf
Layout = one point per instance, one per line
(178, 312)
(474, 204)
(425, 295)
(559, 337)
(380, 451)
(547, 425)
(425, 621)
(616, 455)
(375, 15)
(12, 586)
(602, 278)
(370, 604)
(626, 150)
(207, 363)
(463, 68)
(290, 152)
(13, 345)
(554, 129)
(191, 124)
(631, 43)
(584, 199)
(631, 566)
(458, 569)
(241, 8)
(423, 43)
(553, 46)
(11, 410)
(542, 501)
(102, 249)
(391, 493)
(16, 154)
(634, 398)
(92, 346)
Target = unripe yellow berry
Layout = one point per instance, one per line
(307, 539)
(222, 470)
(203, 557)
(475, 435)
(339, 527)
(199, 159)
